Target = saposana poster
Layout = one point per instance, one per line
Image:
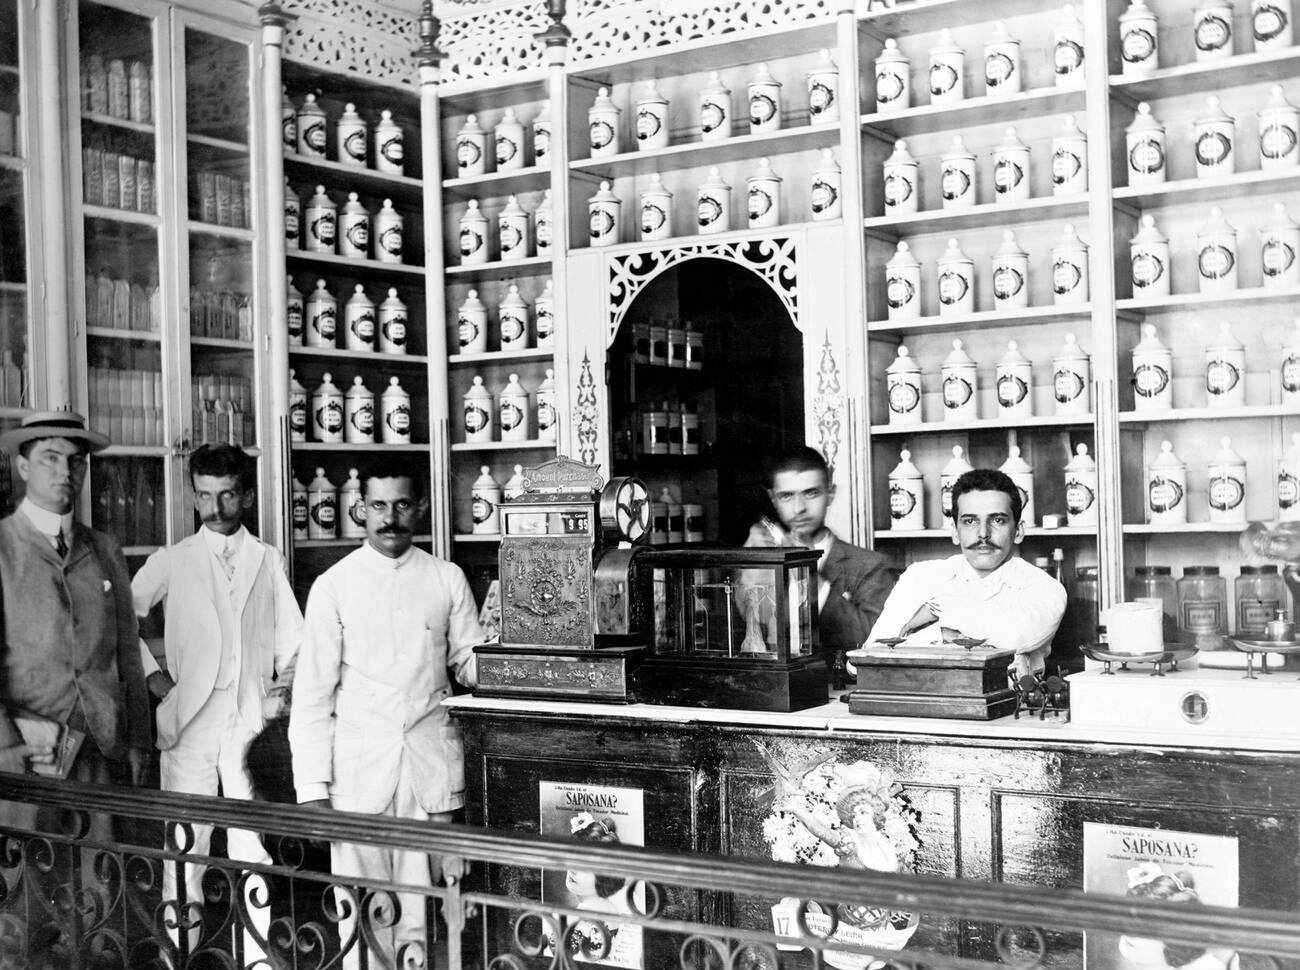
(603, 815)
(1157, 865)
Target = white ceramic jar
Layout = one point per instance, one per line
(947, 76)
(547, 416)
(715, 109)
(1214, 140)
(960, 385)
(903, 389)
(288, 121)
(297, 409)
(508, 142)
(477, 411)
(512, 318)
(1069, 269)
(292, 218)
(651, 120)
(764, 101)
(906, 496)
(1149, 260)
(1002, 73)
(322, 507)
(388, 233)
(471, 324)
(327, 411)
(656, 210)
(544, 315)
(901, 189)
(603, 125)
(956, 281)
(713, 205)
(764, 196)
(389, 145)
(395, 403)
(1144, 143)
(1289, 372)
(1279, 132)
(903, 284)
(1270, 24)
(354, 229)
(1011, 169)
(823, 90)
(359, 321)
(1225, 370)
(957, 467)
(471, 148)
(1279, 244)
(294, 312)
(957, 176)
(893, 79)
(1226, 489)
(359, 414)
(1152, 373)
(1069, 159)
(1212, 31)
(603, 212)
(391, 325)
(512, 230)
(1021, 474)
(311, 128)
(1072, 379)
(542, 134)
(352, 138)
(1081, 488)
(485, 501)
(1014, 384)
(543, 217)
(1216, 254)
(824, 193)
(1068, 59)
(322, 317)
(473, 236)
(1010, 274)
(322, 223)
(1139, 40)
(512, 407)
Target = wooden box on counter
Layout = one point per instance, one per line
(940, 681)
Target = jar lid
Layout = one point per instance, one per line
(1259, 570)
(1214, 113)
(358, 388)
(1001, 35)
(1276, 99)
(1015, 465)
(904, 363)
(548, 292)
(1147, 233)
(359, 298)
(294, 385)
(320, 482)
(1082, 461)
(1137, 10)
(1071, 350)
(1167, 459)
(946, 44)
(386, 120)
(1292, 454)
(310, 107)
(714, 181)
(900, 156)
(656, 188)
(715, 87)
(762, 76)
(327, 385)
(320, 199)
(905, 468)
(516, 481)
(476, 390)
(651, 95)
(764, 172)
(1070, 128)
(957, 465)
(1216, 224)
(891, 52)
(1200, 570)
(1009, 245)
(1069, 240)
(512, 207)
(958, 149)
(485, 479)
(472, 302)
(957, 357)
(353, 206)
(1152, 571)
(1013, 355)
(824, 64)
(1281, 219)
(1011, 141)
(512, 389)
(1144, 120)
(1150, 342)
(320, 294)
(603, 194)
(543, 113)
(548, 382)
(291, 287)
(666, 496)
(393, 303)
(394, 388)
(512, 297)
(472, 214)
(1225, 339)
(953, 253)
(603, 103)
(1225, 455)
(902, 256)
(828, 163)
(508, 119)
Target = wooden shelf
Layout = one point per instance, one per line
(9, 69)
(371, 267)
(11, 287)
(924, 16)
(128, 216)
(14, 162)
(134, 451)
(461, 97)
(1181, 301)
(221, 144)
(1192, 191)
(222, 232)
(1209, 414)
(343, 543)
(112, 333)
(1279, 65)
(503, 356)
(704, 153)
(1032, 532)
(498, 269)
(476, 537)
(13, 412)
(1003, 110)
(1190, 528)
(401, 186)
(984, 320)
(497, 184)
(984, 424)
(221, 343)
(341, 446)
(987, 215)
(108, 121)
(530, 445)
(359, 357)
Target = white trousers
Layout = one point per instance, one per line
(396, 866)
(208, 759)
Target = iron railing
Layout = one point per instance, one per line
(67, 900)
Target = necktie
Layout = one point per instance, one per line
(228, 561)
(60, 544)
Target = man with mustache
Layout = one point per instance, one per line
(231, 635)
(988, 592)
(367, 729)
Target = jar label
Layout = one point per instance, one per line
(390, 147)
(1202, 616)
(1007, 282)
(1212, 32)
(541, 142)
(648, 124)
(323, 512)
(513, 327)
(1011, 390)
(512, 416)
(354, 145)
(357, 512)
(289, 131)
(324, 323)
(1146, 156)
(1277, 140)
(545, 323)
(322, 228)
(824, 195)
(821, 97)
(600, 222)
(300, 511)
(358, 234)
(313, 136)
(899, 291)
(1288, 489)
(760, 202)
(363, 327)
(1212, 148)
(1149, 380)
(1268, 22)
(298, 415)
(543, 230)
(468, 152)
(471, 241)
(390, 240)
(602, 134)
(1066, 275)
(394, 329)
(653, 217)
(512, 237)
(481, 509)
(1066, 166)
(890, 85)
(476, 418)
(901, 501)
(507, 148)
(1147, 268)
(1226, 491)
(943, 78)
(1164, 494)
(1253, 615)
(1067, 57)
(1079, 496)
(1137, 44)
(293, 317)
(1278, 257)
(1215, 261)
(1067, 385)
(1006, 175)
(953, 287)
(898, 188)
(363, 418)
(545, 416)
(1291, 372)
(998, 68)
(329, 417)
(957, 391)
(712, 116)
(398, 419)
(708, 211)
(904, 396)
(291, 221)
(945, 496)
(762, 108)
(954, 182)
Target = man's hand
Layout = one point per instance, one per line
(316, 803)
(160, 684)
(454, 868)
(273, 705)
(136, 759)
(927, 614)
(14, 758)
(760, 535)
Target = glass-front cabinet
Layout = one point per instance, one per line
(169, 255)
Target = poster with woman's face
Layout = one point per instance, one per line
(1157, 865)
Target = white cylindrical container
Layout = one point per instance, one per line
(1014, 384)
(1011, 169)
(1081, 488)
(1226, 491)
(352, 138)
(359, 321)
(893, 79)
(388, 234)
(1072, 379)
(1270, 24)
(515, 484)
(947, 70)
(1279, 242)
(547, 417)
(512, 230)
(694, 348)
(823, 90)
(543, 217)
(903, 389)
(352, 508)
(1152, 372)
(1149, 260)
(485, 499)
(354, 229)
(906, 496)
(300, 509)
(542, 134)
(288, 121)
(322, 506)
(656, 210)
(512, 409)
(956, 279)
(603, 211)
(389, 145)
(715, 110)
(1290, 370)
(297, 409)
(955, 469)
(957, 176)
(1144, 142)
(903, 284)
(713, 208)
(395, 404)
(902, 190)
(1279, 132)
(391, 325)
(764, 101)
(359, 414)
(1216, 254)
(1212, 31)
(1214, 139)
(292, 218)
(512, 318)
(1067, 49)
(690, 430)
(1069, 159)
(1139, 40)
(322, 223)
(327, 412)
(1020, 472)
(544, 315)
(693, 516)
(651, 120)
(322, 317)
(294, 312)
(1010, 274)
(959, 385)
(824, 193)
(764, 196)
(473, 234)
(508, 141)
(471, 148)
(1288, 482)
(1070, 269)
(311, 128)
(603, 125)
(1002, 62)
(1225, 370)
(478, 413)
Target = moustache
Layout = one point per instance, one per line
(983, 545)
(394, 530)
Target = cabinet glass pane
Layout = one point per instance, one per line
(13, 219)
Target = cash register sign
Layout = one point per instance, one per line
(853, 815)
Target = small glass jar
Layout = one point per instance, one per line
(1203, 606)
(1156, 583)
(1083, 606)
(1259, 593)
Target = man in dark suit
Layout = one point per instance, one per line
(853, 583)
(70, 654)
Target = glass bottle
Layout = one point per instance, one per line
(1203, 606)
(1156, 583)
(1259, 593)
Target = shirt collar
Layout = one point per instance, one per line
(47, 522)
(1004, 575)
(377, 560)
(216, 542)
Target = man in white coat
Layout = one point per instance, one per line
(367, 731)
(232, 631)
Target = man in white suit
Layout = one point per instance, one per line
(232, 630)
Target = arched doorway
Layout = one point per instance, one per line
(747, 392)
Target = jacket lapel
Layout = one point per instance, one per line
(34, 536)
(250, 564)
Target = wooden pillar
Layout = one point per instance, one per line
(51, 212)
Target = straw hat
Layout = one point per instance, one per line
(52, 424)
